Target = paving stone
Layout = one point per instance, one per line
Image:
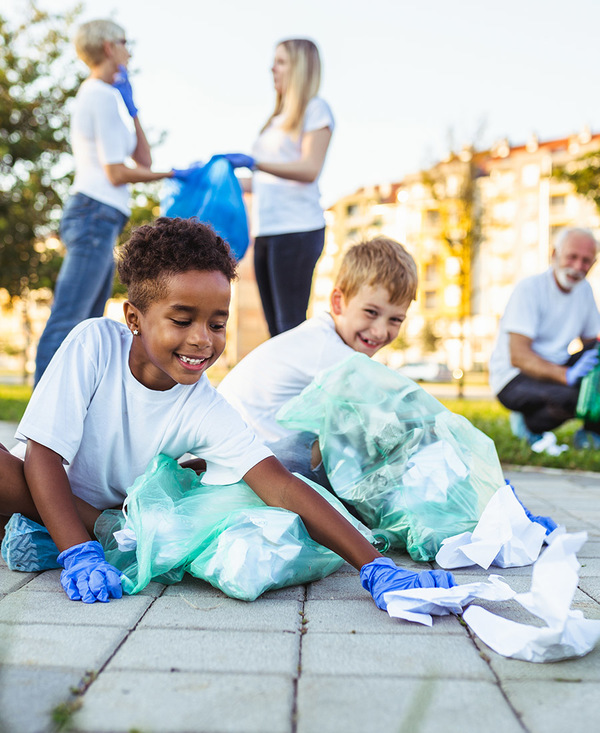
(338, 587)
(48, 581)
(363, 617)
(191, 587)
(579, 668)
(209, 651)
(12, 580)
(29, 694)
(394, 655)
(24, 608)
(355, 705)
(556, 706)
(44, 645)
(185, 702)
(224, 613)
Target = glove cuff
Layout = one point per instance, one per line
(73, 553)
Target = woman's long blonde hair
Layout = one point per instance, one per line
(303, 84)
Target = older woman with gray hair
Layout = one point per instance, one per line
(110, 151)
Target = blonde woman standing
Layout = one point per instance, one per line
(287, 159)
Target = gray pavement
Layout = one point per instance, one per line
(314, 659)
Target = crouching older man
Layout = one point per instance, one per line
(531, 370)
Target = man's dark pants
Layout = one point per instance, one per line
(545, 405)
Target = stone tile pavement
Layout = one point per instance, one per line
(314, 659)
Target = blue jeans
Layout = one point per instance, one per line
(89, 230)
(284, 264)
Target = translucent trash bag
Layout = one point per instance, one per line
(213, 194)
(415, 472)
(225, 535)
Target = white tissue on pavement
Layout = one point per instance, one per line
(419, 604)
(554, 581)
(504, 536)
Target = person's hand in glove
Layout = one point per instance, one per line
(586, 362)
(87, 576)
(123, 85)
(183, 174)
(240, 160)
(547, 522)
(383, 575)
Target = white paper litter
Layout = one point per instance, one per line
(419, 604)
(504, 536)
(553, 584)
(548, 444)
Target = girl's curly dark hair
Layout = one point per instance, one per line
(168, 247)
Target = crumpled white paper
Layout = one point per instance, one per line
(418, 604)
(553, 584)
(504, 536)
(548, 444)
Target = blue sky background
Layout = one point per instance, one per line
(401, 76)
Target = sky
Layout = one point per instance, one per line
(404, 78)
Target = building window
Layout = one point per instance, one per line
(431, 299)
(558, 201)
(431, 271)
(432, 217)
(352, 209)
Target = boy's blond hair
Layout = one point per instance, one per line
(90, 37)
(379, 261)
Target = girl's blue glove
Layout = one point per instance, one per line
(87, 576)
(383, 575)
(547, 522)
(123, 85)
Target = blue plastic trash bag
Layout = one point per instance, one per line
(225, 535)
(214, 195)
(415, 472)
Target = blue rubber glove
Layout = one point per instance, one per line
(87, 576)
(586, 362)
(123, 85)
(182, 174)
(240, 160)
(382, 575)
(547, 523)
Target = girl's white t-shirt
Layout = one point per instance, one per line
(279, 205)
(107, 426)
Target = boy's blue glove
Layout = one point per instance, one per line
(240, 160)
(383, 575)
(547, 523)
(586, 362)
(87, 576)
(123, 85)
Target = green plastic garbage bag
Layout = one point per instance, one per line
(415, 472)
(225, 535)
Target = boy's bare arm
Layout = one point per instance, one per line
(52, 495)
(278, 487)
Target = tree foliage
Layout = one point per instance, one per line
(584, 174)
(38, 77)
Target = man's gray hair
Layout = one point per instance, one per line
(565, 233)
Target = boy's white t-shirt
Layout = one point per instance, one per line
(279, 369)
(540, 310)
(101, 134)
(107, 426)
(280, 205)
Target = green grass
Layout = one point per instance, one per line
(13, 401)
(487, 415)
(492, 419)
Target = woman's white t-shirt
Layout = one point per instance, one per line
(279, 205)
(101, 134)
(107, 426)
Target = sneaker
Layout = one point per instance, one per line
(520, 429)
(586, 439)
(27, 546)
